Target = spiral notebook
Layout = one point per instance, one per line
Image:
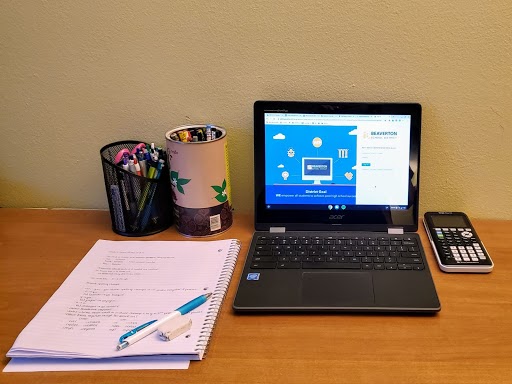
(121, 284)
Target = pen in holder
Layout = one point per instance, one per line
(138, 188)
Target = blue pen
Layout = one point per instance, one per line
(135, 330)
(148, 328)
(147, 156)
(193, 304)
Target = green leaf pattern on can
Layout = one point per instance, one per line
(178, 183)
(222, 196)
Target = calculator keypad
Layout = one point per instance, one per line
(460, 246)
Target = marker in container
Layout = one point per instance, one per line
(143, 167)
(121, 154)
(125, 164)
(208, 132)
(131, 166)
(137, 166)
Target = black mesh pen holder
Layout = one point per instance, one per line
(139, 205)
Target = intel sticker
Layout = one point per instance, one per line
(253, 276)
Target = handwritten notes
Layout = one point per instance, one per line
(121, 284)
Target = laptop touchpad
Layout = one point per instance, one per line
(337, 289)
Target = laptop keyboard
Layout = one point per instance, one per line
(333, 252)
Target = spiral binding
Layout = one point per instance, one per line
(218, 297)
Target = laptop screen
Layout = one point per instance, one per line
(336, 163)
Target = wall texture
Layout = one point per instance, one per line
(78, 75)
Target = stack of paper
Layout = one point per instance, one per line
(119, 285)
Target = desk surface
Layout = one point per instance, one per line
(469, 341)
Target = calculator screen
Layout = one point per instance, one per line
(449, 221)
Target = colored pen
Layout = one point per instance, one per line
(147, 156)
(143, 200)
(135, 330)
(124, 191)
(143, 167)
(125, 164)
(126, 183)
(131, 166)
(208, 132)
(138, 153)
(137, 166)
(146, 329)
(147, 211)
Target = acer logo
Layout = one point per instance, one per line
(336, 217)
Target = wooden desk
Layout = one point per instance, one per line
(469, 341)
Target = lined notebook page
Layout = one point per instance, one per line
(119, 285)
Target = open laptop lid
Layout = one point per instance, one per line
(336, 166)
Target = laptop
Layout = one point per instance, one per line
(336, 210)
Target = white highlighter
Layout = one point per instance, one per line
(174, 327)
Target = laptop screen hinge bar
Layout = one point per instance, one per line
(395, 231)
(277, 229)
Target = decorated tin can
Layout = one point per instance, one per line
(200, 185)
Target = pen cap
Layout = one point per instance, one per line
(199, 173)
(138, 205)
(174, 327)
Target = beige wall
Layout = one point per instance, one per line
(78, 75)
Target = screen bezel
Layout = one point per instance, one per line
(378, 219)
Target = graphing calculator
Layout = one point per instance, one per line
(456, 245)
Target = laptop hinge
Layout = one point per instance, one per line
(277, 229)
(395, 231)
